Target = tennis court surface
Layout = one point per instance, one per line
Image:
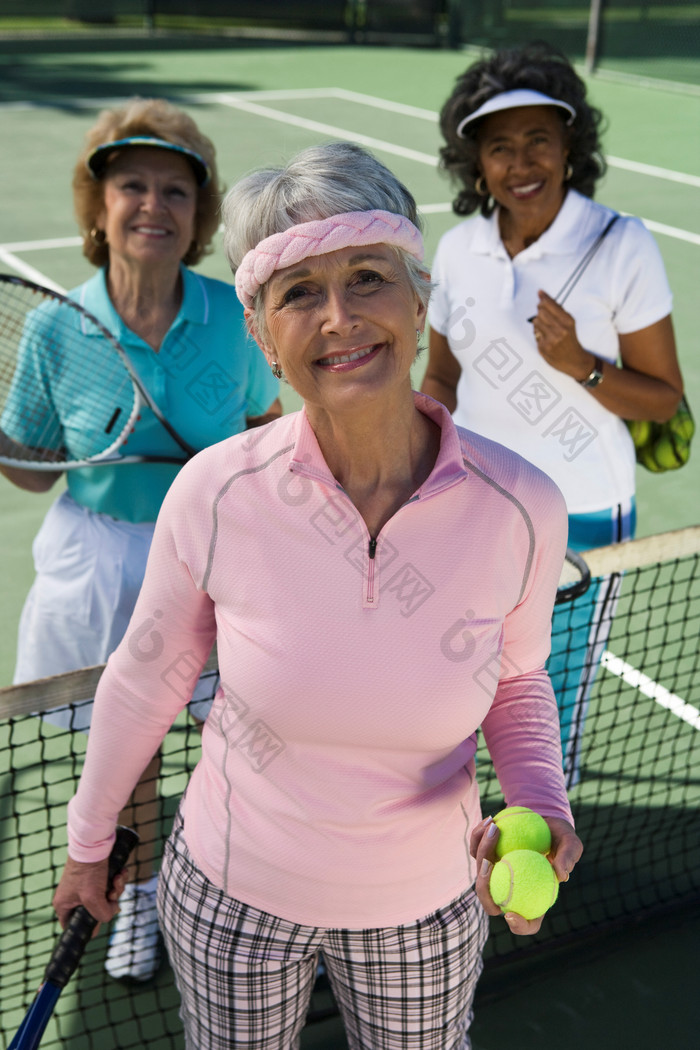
(637, 802)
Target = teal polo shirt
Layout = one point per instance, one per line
(207, 378)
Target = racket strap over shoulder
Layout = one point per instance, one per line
(578, 271)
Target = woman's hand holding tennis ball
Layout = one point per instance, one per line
(519, 829)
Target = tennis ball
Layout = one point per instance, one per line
(665, 454)
(646, 458)
(524, 882)
(682, 451)
(640, 429)
(521, 828)
(683, 425)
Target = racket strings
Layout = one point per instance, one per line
(65, 394)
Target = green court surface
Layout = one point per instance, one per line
(260, 105)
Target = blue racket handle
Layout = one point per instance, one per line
(74, 939)
(36, 1019)
(66, 955)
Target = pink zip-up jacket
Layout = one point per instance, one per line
(337, 783)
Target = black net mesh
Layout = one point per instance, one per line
(635, 801)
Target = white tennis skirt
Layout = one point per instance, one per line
(89, 570)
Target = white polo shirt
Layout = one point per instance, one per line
(507, 391)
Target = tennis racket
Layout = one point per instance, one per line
(66, 954)
(574, 277)
(575, 578)
(69, 395)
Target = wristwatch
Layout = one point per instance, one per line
(596, 375)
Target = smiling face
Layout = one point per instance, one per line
(342, 327)
(522, 157)
(150, 203)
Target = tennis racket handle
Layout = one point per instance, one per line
(74, 939)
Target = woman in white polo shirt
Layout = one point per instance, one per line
(512, 362)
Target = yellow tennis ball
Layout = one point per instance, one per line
(646, 458)
(640, 429)
(682, 451)
(524, 882)
(665, 454)
(682, 425)
(521, 828)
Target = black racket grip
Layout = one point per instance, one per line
(74, 939)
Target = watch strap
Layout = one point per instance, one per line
(595, 376)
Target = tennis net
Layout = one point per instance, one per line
(635, 801)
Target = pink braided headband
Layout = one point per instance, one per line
(319, 237)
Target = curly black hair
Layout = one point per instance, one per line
(537, 66)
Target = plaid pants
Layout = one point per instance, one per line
(245, 977)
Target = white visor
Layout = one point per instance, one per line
(511, 100)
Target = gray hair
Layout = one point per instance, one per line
(317, 183)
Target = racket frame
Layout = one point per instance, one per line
(570, 589)
(142, 397)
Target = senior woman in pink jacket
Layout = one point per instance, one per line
(379, 584)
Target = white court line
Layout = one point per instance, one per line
(651, 224)
(648, 687)
(244, 104)
(33, 246)
(442, 208)
(28, 271)
(653, 170)
(385, 103)
(426, 114)
(281, 95)
(671, 231)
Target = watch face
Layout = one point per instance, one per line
(595, 376)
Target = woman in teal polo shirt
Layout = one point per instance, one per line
(147, 195)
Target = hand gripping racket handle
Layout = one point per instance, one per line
(74, 939)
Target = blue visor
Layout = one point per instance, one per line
(99, 158)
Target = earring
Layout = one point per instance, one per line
(568, 172)
(480, 186)
(98, 237)
(276, 370)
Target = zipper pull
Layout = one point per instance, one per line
(372, 548)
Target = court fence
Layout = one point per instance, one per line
(655, 37)
(635, 803)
